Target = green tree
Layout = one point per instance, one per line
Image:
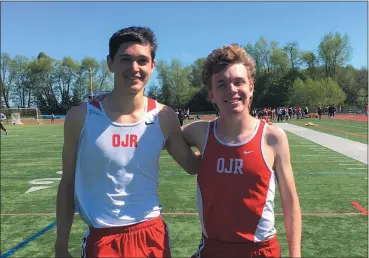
(334, 51)
(331, 92)
(65, 74)
(6, 77)
(292, 51)
(279, 60)
(263, 51)
(104, 78)
(195, 73)
(297, 95)
(362, 97)
(22, 90)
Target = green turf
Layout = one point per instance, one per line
(34, 152)
(352, 130)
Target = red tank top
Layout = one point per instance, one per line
(236, 189)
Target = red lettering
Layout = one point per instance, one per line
(116, 140)
(130, 140)
(126, 143)
(133, 140)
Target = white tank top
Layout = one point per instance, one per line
(117, 169)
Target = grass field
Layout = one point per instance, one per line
(327, 183)
(352, 130)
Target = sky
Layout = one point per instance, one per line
(185, 30)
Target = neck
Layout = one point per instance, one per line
(235, 125)
(123, 103)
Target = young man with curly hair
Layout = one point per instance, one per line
(243, 158)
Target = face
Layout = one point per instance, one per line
(231, 90)
(132, 66)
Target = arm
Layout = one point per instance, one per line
(175, 143)
(65, 196)
(288, 193)
(189, 134)
(195, 134)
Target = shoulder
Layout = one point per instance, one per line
(75, 118)
(77, 112)
(168, 119)
(165, 111)
(195, 133)
(197, 127)
(276, 138)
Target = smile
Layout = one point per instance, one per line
(132, 78)
(233, 101)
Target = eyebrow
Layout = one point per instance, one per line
(126, 55)
(237, 78)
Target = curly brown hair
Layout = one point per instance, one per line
(222, 57)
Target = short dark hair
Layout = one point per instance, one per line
(142, 35)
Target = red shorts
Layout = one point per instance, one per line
(146, 239)
(215, 249)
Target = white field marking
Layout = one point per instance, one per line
(351, 164)
(322, 150)
(46, 182)
(36, 188)
(356, 168)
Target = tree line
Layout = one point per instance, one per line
(52, 85)
(285, 75)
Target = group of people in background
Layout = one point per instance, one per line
(330, 110)
(287, 113)
(282, 113)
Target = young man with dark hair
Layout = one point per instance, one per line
(243, 159)
(111, 159)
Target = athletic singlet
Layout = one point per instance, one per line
(117, 169)
(236, 189)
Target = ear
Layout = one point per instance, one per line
(210, 95)
(251, 89)
(110, 63)
(153, 64)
